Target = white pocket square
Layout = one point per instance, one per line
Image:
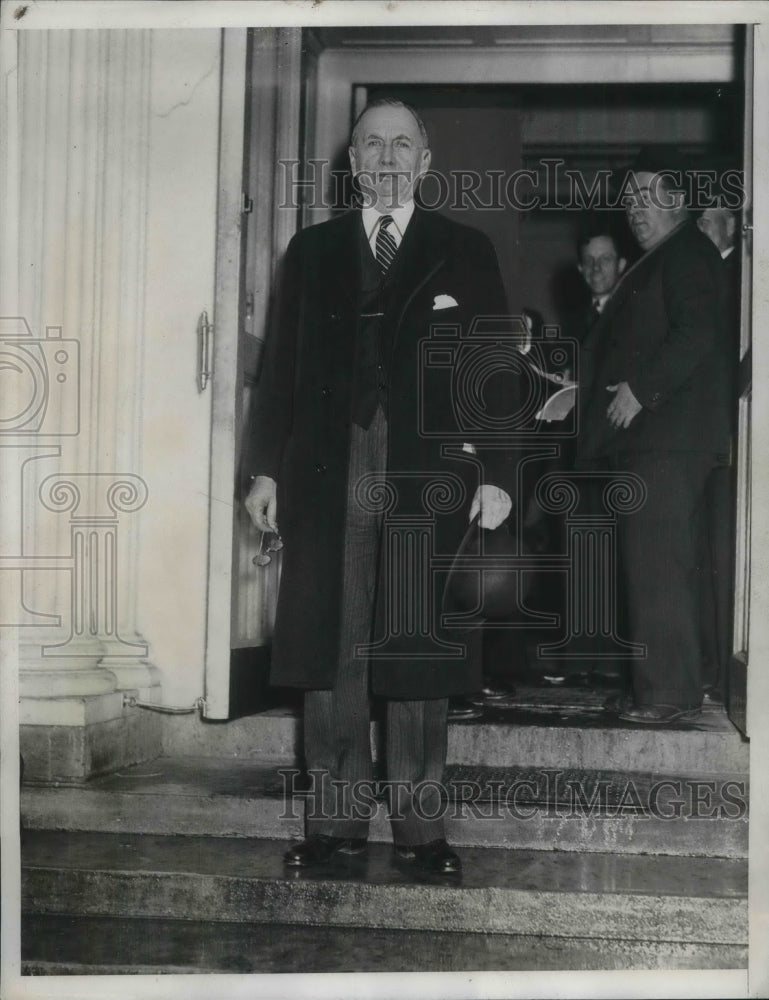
(444, 302)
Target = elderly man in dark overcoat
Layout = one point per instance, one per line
(656, 401)
(346, 446)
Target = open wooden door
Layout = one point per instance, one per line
(737, 681)
(218, 370)
(259, 139)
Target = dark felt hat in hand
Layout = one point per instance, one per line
(484, 582)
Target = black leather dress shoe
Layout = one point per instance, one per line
(496, 692)
(321, 848)
(659, 715)
(436, 857)
(461, 708)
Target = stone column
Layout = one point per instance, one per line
(80, 238)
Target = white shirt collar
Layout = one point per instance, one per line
(725, 253)
(401, 218)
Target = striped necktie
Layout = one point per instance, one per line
(386, 246)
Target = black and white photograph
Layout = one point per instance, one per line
(383, 493)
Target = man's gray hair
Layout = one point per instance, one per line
(391, 102)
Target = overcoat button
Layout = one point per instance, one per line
(320, 467)
(325, 391)
(381, 386)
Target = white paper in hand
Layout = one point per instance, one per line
(559, 405)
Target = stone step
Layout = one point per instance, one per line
(64, 945)
(612, 897)
(545, 728)
(527, 808)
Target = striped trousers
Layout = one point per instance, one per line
(337, 744)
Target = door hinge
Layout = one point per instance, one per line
(205, 337)
(246, 204)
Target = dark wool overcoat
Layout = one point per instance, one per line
(664, 332)
(447, 273)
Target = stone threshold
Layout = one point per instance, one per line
(519, 732)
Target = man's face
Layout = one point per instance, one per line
(652, 210)
(388, 156)
(601, 265)
(718, 225)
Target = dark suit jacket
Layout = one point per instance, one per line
(578, 321)
(301, 428)
(663, 333)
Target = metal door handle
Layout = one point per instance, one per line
(205, 335)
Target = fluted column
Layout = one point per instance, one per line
(81, 238)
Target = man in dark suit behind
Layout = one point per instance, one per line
(656, 404)
(344, 396)
(719, 224)
(601, 263)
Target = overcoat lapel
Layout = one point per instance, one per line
(341, 262)
(420, 255)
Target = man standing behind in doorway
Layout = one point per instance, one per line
(601, 265)
(342, 398)
(656, 405)
(719, 224)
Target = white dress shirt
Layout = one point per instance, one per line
(401, 217)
